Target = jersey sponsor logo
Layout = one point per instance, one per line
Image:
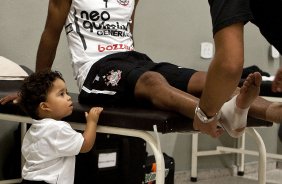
(98, 21)
(111, 47)
(113, 33)
(95, 15)
(123, 2)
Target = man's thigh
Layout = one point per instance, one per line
(176, 76)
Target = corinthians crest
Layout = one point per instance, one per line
(123, 2)
(112, 78)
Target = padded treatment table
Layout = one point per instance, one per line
(129, 121)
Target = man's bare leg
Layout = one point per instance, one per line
(153, 87)
(266, 110)
(260, 108)
(273, 112)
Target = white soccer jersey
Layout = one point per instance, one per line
(95, 29)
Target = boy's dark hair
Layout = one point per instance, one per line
(35, 89)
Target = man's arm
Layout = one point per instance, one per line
(132, 17)
(57, 14)
(223, 75)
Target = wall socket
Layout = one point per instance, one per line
(206, 50)
(274, 52)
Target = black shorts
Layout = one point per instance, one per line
(265, 14)
(112, 79)
(32, 182)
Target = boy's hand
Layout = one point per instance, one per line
(93, 114)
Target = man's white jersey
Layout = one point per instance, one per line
(95, 29)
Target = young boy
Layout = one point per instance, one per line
(50, 145)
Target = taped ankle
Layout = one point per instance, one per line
(233, 115)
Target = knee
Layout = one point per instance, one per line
(151, 78)
(147, 83)
(196, 83)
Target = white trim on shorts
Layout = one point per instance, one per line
(105, 92)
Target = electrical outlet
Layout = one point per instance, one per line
(274, 52)
(206, 50)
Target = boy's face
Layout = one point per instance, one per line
(58, 100)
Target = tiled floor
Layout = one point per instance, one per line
(224, 180)
(273, 177)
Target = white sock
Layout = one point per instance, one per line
(233, 117)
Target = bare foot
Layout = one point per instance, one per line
(249, 91)
(266, 110)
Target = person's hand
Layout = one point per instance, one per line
(12, 97)
(207, 128)
(93, 114)
(277, 82)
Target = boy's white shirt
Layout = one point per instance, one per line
(49, 148)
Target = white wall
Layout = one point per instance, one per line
(166, 30)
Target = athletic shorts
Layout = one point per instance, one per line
(112, 79)
(32, 182)
(265, 14)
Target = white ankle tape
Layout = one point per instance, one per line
(233, 116)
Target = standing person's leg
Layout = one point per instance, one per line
(268, 18)
(266, 15)
(228, 18)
